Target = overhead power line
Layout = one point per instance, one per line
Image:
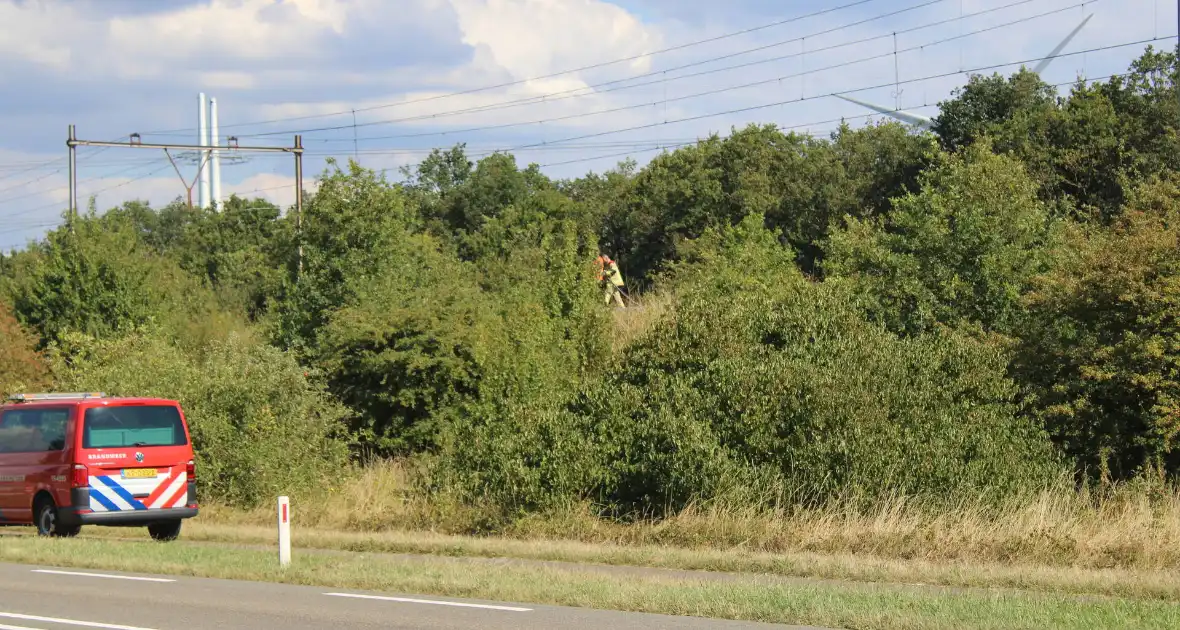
(551, 75)
(477, 150)
(812, 124)
(819, 96)
(542, 98)
(143, 176)
(32, 181)
(683, 143)
(712, 92)
(35, 193)
(46, 164)
(21, 169)
(133, 162)
(638, 145)
(583, 92)
(678, 144)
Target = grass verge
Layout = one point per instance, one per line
(1120, 540)
(1119, 527)
(1161, 585)
(750, 598)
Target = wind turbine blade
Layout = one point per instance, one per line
(1056, 51)
(907, 117)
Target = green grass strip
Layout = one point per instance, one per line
(753, 598)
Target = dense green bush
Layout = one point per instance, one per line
(1101, 364)
(260, 427)
(782, 379)
(430, 334)
(241, 250)
(801, 185)
(102, 279)
(411, 348)
(349, 225)
(768, 386)
(963, 249)
(1085, 151)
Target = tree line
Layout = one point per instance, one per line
(988, 307)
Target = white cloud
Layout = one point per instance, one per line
(30, 40)
(536, 37)
(243, 29)
(524, 39)
(232, 80)
(65, 37)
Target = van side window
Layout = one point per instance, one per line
(33, 430)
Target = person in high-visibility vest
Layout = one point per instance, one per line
(610, 278)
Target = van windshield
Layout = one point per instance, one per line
(133, 426)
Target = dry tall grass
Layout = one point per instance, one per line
(1119, 527)
(643, 311)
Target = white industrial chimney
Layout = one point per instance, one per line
(202, 160)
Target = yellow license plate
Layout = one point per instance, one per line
(139, 473)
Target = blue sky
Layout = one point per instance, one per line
(418, 72)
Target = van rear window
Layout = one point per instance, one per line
(133, 426)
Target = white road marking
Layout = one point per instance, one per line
(428, 601)
(69, 622)
(4, 627)
(104, 575)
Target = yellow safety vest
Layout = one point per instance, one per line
(616, 276)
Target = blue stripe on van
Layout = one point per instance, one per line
(122, 492)
(95, 495)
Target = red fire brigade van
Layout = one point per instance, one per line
(68, 460)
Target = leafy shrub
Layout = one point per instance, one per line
(766, 377)
(241, 250)
(410, 349)
(260, 427)
(1101, 363)
(349, 225)
(766, 386)
(964, 248)
(21, 366)
(431, 341)
(103, 280)
(801, 185)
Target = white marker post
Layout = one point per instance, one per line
(284, 531)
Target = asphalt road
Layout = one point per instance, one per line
(52, 598)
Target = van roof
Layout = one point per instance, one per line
(98, 398)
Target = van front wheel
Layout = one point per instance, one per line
(165, 531)
(48, 523)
